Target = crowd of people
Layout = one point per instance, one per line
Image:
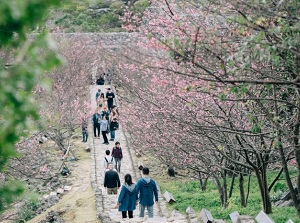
(105, 117)
(105, 120)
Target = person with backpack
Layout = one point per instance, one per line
(128, 198)
(111, 180)
(108, 159)
(118, 155)
(146, 188)
(96, 123)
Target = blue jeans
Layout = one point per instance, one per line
(142, 211)
(118, 164)
(112, 134)
(85, 136)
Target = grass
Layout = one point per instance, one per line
(75, 15)
(190, 194)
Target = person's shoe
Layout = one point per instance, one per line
(104, 143)
(112, 140)
(107, 143)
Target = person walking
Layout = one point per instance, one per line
(98, 94)
(110, 98)
(146, 188)
(96, 123)
(118, 156)
(108, 159)
(115, 110)
(128, 198)
(111, 180)
(114, 125)
(105, 113)
(84, 128)
(101, 101)
(104, 129)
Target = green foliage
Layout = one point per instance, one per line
(110, 20)
(9, 191)
(100, 4)
(81, 15)
(190, 194)
(117, 7)
(28, 208)
(22, 60)
(140, 6)
(19, 16)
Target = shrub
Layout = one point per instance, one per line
(70, 30)
(69, 7)
(64, 17)
(27, 210)
(117, 7)
(140, 6)
(100, 4)
(110, 20)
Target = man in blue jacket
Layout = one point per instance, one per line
(146, 187)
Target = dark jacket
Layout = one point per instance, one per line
(111, 179)
(146, 187)
(114, 125)
(96, 118)
(117, 154)
(110, 94)
(127, 198)
(106, 114)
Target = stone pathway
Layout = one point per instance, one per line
(107, 212)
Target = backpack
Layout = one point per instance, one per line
(112, 159)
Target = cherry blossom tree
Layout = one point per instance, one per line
(63, 107)
(218, 76)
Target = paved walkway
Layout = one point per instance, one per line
(106, 209)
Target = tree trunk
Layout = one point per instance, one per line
(263, 188)
(294, 192)
(221, 192)
(202, 182)
(248, 188)
(203, 187)
(224, 188)
(297, 155)
(231, 186)
(267, 200)
(242, 192)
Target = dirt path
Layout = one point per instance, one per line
(78, 204)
